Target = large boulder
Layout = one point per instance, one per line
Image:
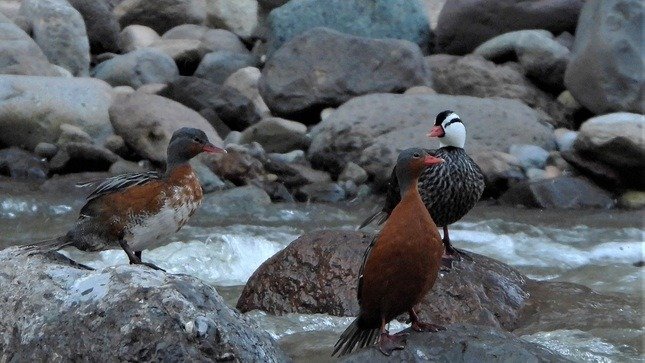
(239, 16)
(32, 109)
(19, 54)
(465, 24)
(287, 284)
(540, 55)
(474, 76)
(146, 122)
(606, 69)
(100, 22)
(137, 68)
(59, 30)
(617, 141)
(398, 19)
(462, 343)
(123, 313)
(229, 105)
(371, 130)
(161, 15)
(322, 68)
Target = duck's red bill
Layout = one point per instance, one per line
(436, 131)
(212, 149)
(432, 160)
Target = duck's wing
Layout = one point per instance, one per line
(120, 182)
(366, 255)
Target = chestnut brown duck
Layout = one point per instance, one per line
(448, 190)
(399, 267)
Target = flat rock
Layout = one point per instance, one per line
(465, 24)
(563, 192)
(398, 19)
(139, 67)
(146, 123)
(322, 68)
(76, 314)
(606, 69)
(371, 130)
(160, 15)
(33, 108)
(59, 30)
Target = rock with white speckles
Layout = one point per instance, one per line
(123, 313)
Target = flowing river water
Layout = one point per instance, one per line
(224, 244)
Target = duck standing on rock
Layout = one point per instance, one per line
(133, 211)
(448, 190)
(400, 265)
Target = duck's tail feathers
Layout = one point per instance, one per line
(53, 244)
(355, 338)
(381, 216)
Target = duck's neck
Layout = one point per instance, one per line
(172, 169)
(455, 136)
(407, 183)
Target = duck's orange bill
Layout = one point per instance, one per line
(212, 149)
(432, 160)
(436, 131)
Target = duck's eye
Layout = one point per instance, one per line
(416, 155)
(196, 139)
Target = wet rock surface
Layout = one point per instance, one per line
(74, 312)
(562, 192)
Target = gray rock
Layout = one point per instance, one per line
(322, 68)
(239, 166)
(235, 110)
(297, 175)
(542, 58)
(19, 54)
(146, 123)
(277, 135)
(102, 27)
(70, 133)
(211, 39)
(462, 343)
(353, 172)
(295, 156)
(20, 164)
(500, 169)
(326, 192)
(33, 108)
(246, 81)
(246, 199)
(161, 15)
(465, 24)
(606, 69)
(233, 137)
(564, 192)
(632, 199)
(362, 131)
(134, 36)
(125, 167)
(154, 314)
(217, 66)
(74, 157)
(240, 16)
(565, 138)
(59, 30)
(529, 156)
(534, 174)
(187, 53)
(398, 19)
(10, 8)
(137, 68)
(474, 76)
(46, 150)
(209, 181)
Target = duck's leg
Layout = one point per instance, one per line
(388, 343)
(418, 325)
(451, 252)
(134, 258)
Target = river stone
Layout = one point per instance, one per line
(137, 68)
(296, 175)
(160, 15)
(474, 76)
(59, 30)
(462, 343)
(353, 172)
(239, 16)
(237, 166)
(398, 19)
(235, 110)
(134, 36)
(19, 54)
(277, 135)
(632, 199)
(217, 66)
(563, 192)
(529, 156)
(211, 39)
(606, 69)
(465, 24)
(565, 138)
(187, 53)
(322, 68)
(285, 283)
(500, 169)
(102, 27)
(74, 157)
(33, 108)
(123, 313)
(20, 164)
(371, 130)
(246, 80)
(146, 123)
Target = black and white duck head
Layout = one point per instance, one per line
(449, 129)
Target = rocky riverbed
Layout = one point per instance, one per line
(314, 100)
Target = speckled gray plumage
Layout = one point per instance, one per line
(449, 190)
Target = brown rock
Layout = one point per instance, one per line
(238, 167)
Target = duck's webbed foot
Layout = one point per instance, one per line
(135, 257)
(418, 325)
(388, 343)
